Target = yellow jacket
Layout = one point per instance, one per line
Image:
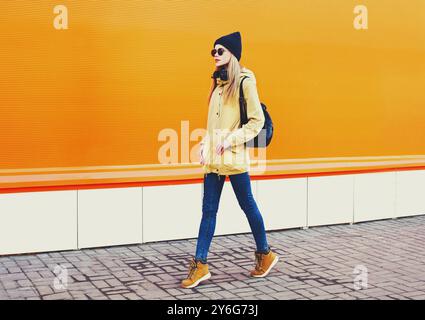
(223, 123)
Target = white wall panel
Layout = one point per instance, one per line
(111, 216)
(374, 196)
(283, 202)
(38, 221)
(171, 212)
(410, 193)
(330, 200)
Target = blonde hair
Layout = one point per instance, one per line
(231, 88)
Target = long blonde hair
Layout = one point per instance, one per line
(230, 89)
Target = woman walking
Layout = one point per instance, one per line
(223, 153)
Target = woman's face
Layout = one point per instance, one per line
(224, 58)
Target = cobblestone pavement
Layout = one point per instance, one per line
(372, 260)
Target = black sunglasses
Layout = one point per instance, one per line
(220, 51)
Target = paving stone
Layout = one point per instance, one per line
(316, 263)
(58, 296)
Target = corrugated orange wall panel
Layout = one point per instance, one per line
(100, 92)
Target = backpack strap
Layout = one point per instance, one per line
(242, 104)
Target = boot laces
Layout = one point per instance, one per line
(259, 261)
(192, 268)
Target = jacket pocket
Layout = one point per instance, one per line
(238, 148)
(234, 157)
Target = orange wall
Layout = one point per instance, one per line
(100, 92)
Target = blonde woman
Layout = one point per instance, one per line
(223, 153)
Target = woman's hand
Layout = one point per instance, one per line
(222, 146)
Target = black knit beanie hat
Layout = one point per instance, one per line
(232, 42)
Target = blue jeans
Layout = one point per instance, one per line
(241, 184)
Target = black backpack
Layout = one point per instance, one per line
(266, 133)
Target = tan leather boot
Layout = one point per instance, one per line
(198, 272)
(264, 263)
